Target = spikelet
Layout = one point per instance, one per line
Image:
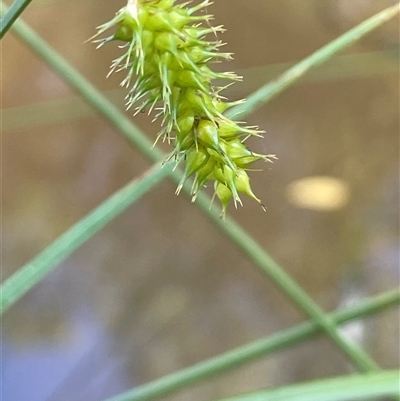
(167, 58)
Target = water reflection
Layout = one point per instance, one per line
(79, 364)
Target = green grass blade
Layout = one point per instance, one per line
(26, 277)
(253, 351)
(345, 388)
(271, 89)
(12, 14)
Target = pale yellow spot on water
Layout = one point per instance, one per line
(321, 193)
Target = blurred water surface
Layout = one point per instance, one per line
(160, 288)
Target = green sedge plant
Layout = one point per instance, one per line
(167, 56)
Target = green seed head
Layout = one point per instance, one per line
(224, 195)
(165, 4)
(185, 122)
(168, 59)
(207, 134)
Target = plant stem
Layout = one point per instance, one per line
(12, 14)
(86, 90)
(273, 88)
(344, 388)
(253, 351)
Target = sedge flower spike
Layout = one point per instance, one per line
(167, 57)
